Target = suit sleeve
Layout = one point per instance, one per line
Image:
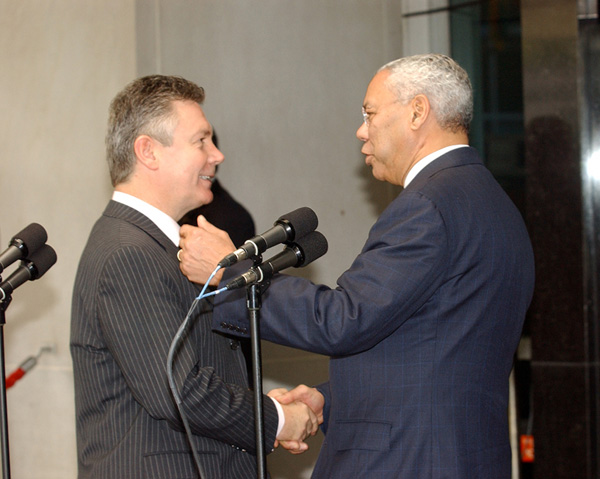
(324, 389)
(400, 267)
(140, 309)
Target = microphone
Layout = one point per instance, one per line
(298, 254)
(30, 269)
(23, 244)
(288, 227)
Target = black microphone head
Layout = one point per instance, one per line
(43, 259)
(29, 239)
(301, 221)
(312, 246)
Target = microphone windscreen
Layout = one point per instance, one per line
(302, 221)
(31, 237)
(43, 259)
(313, 246)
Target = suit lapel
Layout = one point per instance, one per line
(452, 159)
(126, 213)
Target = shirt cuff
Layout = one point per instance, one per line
(281, 417)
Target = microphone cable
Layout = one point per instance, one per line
(170, 358)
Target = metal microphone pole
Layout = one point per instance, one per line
(253, 293)
(3, 409)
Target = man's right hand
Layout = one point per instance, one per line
(302, 394)
(309, 396)
(202, 248)
(300, 422)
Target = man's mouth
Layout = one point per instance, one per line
(207, 178)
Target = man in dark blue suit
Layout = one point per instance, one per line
(423, 326)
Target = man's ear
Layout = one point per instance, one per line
(420, 110)
(144, 148)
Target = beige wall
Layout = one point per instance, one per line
(284, 80)
(61, 62)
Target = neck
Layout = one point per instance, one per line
(445, 138)
(435, 142)
(146, 194)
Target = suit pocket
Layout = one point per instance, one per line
(180, 465)
(365, 435)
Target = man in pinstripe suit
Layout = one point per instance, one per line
(423, 326)
(130, 298)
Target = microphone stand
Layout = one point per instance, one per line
(253, 294)
(3, 409)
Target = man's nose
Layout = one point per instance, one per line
(363, 132)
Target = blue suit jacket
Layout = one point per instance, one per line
(421, 331)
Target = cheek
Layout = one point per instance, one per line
(393, 142)
(381, 146)
(202, 163)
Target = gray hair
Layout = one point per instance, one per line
(144, 107)
(445, 84)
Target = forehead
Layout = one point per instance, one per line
(377, 92)
(190, 117)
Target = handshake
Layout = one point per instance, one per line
(303, 410)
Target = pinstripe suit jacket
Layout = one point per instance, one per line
(129, 300)
(421, 331)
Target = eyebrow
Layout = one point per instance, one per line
(202, 133)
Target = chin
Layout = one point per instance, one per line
(377, 175)
(208, 198)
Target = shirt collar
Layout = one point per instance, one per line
(164, 222)
(416, 169)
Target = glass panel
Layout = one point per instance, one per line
(589, 35)
(486, 41)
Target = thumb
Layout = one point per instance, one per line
(201, 221)
(206, 225)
